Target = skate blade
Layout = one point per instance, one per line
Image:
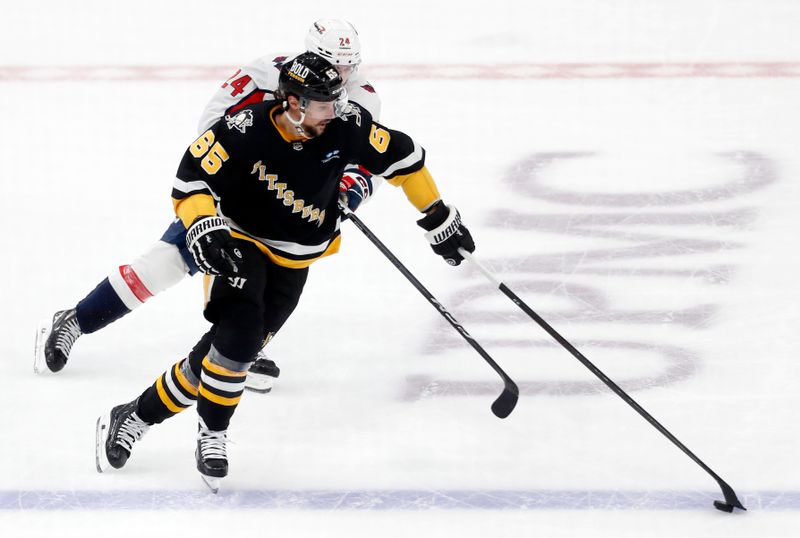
(212, 482)
(42, 333)
(259, 383)
(101, 432)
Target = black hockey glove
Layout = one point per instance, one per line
(446, 233)
(212, 246)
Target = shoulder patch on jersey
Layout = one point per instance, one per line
(368, 87)
(352, 110)
(331, 155)
(240, 121)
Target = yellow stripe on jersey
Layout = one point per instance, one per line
(208, 281)
(188, 387)
(194, 206)
(221, 400)
(286, 135)
(165, 399)
(221, 370)
(419, 188)
(277, 259)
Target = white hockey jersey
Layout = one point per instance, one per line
(258, 80)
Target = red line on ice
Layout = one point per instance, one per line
(521, 71)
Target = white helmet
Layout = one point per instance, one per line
(336, 41)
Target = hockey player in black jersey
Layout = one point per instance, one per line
(167, 261)
(260, 194)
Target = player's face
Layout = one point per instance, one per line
(346, 71)
(318, 115)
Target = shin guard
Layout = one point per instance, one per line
(173, 391)
(221, 386)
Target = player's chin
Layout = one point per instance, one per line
(320, 127)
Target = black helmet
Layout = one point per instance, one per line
(311, 77)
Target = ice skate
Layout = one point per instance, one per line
(42, 332)
(211, 456)
(54, 340)
(117, 431)
(262, 375)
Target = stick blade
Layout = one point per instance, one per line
(725, 507)
(731, 500)
(506, 402)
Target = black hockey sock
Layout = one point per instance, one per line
(174, 391)
(219, 393)
(101, 307)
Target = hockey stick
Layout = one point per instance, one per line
(731, 501)
(506, 402)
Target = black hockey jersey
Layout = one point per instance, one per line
(282, 194)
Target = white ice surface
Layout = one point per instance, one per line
(378, 399)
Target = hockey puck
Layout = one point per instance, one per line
(725, 507)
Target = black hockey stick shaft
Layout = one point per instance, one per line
(731, 500)
(507, 400)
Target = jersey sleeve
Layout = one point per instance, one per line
(385, 151)
(361, 92)
(251, 83)
(200, 180)
(400, 160)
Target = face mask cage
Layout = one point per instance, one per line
(340, 106)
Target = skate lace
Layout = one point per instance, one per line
(67, 335)
(131, 430)
(212, 444)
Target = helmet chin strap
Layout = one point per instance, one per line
(298, 124)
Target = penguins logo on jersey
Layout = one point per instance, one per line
(351, 110)
(240, 121)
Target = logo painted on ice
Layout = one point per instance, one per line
(240, 121)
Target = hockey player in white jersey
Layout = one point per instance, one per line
(168, 261)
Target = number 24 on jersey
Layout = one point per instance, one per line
(238, 84)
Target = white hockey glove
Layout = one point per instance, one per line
(212, 246)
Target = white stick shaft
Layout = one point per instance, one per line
(485, 270)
